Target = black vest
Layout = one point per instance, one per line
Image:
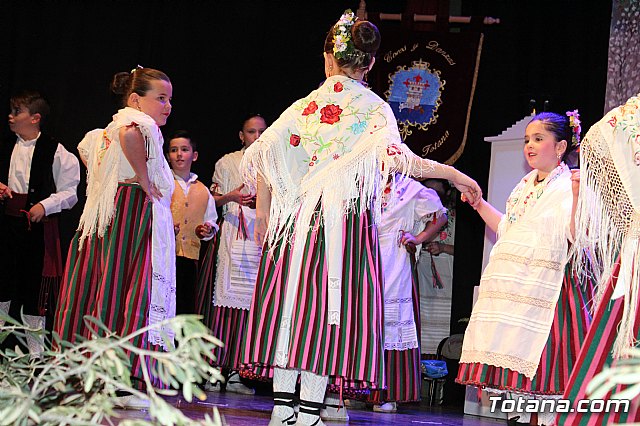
(41, 183)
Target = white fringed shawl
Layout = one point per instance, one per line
(331, 146)
(520, 286)
(608, 216)
(102, 151)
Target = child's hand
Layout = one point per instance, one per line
(251, 203)
(203, 231)
(5, 192)
(408, 240)
(575, 182)
(37, 213)
(435, 248)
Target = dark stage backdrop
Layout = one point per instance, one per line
(226, 58)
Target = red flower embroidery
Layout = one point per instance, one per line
(311, 108)
(314, 158)
(311, 164)
(392, 150)
(330, 114)
(443, 235)
(338, 87)
(336, 156)
(613, 121)
(294, 140)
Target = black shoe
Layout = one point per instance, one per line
(514, 421)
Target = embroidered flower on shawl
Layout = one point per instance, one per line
(613, 121)
(311, 108)
(518, 202)
(338, 87)
(336, 156)
(636, 158)
(294, 140)
(359, 127)
(330, 114)
(443, 235)
(393, 150)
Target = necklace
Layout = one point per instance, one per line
(539, 180)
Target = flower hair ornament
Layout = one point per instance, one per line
(343, 46)
(139, 67)
(574, 123)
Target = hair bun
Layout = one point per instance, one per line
(120, 83)
(366, 37)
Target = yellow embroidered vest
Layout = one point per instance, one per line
(188, 211)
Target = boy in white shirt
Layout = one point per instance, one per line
(194, 218)
(38, 179)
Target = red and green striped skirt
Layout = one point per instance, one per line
(568, 332)
(402, 368)
(597, 354)
(109, 278)
(227, 324)
(351, 354)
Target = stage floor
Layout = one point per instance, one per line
(256, 410)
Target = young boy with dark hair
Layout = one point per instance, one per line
(194, 218)
(38, 179)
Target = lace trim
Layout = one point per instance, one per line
(549, 264)
(398, 323)
(511, 362)
(533, 301)
(158, 277)
(397, 301)
(400, 346)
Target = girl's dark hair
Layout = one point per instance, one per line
(249, 117)
(366, 39)
(138, 81)
(558, 125)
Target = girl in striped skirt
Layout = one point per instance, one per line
(607, 227)
(121, 263)
(530, 319)
(231, 264)
(319, 171)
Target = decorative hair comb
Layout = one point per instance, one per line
(343, 46)
(574, 123)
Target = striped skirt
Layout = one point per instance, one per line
(227, 324)
(568, 331)
(402, 368)
(350, 354)
(596, 355)
(110, 277)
